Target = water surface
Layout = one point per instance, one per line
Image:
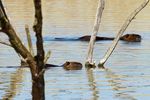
(127, 77)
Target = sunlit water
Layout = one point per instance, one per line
(128, 74)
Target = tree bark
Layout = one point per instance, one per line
(121, 31)
(38, 87)
(38, 30)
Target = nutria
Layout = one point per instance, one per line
(72, 65)
(67, 65)
(126, 37)
(131, 38)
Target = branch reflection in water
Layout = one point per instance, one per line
(92, 84)
(116, 84)
(15, 80)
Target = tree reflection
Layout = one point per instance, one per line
(92, 84)
(15, 79)
(115, 81)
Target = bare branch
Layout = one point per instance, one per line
(100, 9)
(15, 41)
(121, 31)
(29, 40)
(3, 13)
(47, 56)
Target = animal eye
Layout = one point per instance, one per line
(127, 35)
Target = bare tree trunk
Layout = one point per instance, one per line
(100, 9)
(36, 64)
(121, 31)
(38, 30)
(38, 87)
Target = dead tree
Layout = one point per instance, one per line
(89, 59)
(119, 34)
(36, 64)
(39, 85)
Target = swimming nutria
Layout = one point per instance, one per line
(68, 65)
(72, 65)
(131, 38)
(126, 37)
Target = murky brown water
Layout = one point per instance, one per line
(127, 77)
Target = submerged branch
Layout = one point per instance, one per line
(121, 31)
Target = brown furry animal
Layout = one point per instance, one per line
(72, 65)
(131, 38)
(126, 37)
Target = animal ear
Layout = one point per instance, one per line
(67, 62)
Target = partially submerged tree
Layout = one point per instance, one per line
(121, 31)
(89, 59)
(36, 64)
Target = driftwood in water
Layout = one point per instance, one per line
(121, 31)
(89, 59)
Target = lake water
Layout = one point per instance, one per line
(128, 73)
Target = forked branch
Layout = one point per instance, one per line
(16, 43)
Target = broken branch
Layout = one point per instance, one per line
(100, 9)
(121, 31)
